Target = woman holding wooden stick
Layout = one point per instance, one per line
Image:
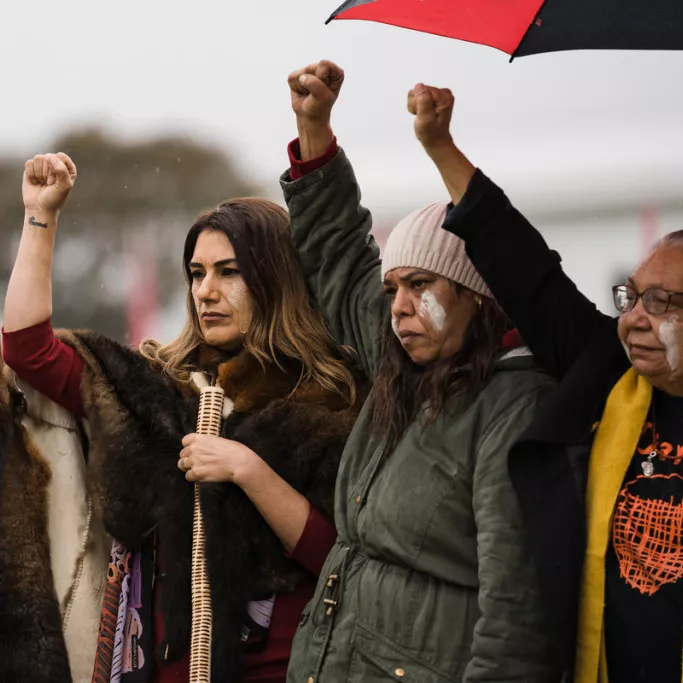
(266, 482)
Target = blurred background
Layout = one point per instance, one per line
(168, 108)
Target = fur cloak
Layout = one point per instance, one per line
(138, 417)
(32, 646)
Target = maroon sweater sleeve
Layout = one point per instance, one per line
(49, 365)
(298, 168)
(315, 543)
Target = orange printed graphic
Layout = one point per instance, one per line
(648, 537)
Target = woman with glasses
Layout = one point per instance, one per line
(600, 472)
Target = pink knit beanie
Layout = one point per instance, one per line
(419, 242)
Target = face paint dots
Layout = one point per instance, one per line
(671, 336)
(432, 311)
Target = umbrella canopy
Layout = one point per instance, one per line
(525, 27)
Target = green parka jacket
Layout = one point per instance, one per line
(430, 580)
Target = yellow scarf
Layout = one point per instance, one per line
(613, 448)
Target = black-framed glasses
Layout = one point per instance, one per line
(655, 301)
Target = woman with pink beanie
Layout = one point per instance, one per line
(430, 580)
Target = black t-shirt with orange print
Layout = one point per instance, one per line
(644, 569)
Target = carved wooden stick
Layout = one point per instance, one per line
(208, 422)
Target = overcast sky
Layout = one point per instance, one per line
(550, 128)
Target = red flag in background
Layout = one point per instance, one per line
(142, 286)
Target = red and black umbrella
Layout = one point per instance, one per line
(525, 27)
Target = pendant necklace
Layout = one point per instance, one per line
(647, 464)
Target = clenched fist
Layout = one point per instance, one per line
(48, 181)
(314, 90)
(432, 108)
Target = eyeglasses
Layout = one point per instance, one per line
(655, 301)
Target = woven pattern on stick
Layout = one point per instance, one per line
(208, 422)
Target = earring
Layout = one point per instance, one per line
(480, 303)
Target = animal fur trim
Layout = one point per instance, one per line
(32, 648)
(139, 416)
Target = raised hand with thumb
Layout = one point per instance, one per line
(48, 181)
(314, 90)
(432, 108)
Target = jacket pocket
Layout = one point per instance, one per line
(376, 659)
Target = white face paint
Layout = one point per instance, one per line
(394, 324)
(237, 297)
(236, 294)
(432, 311)
(671, 335)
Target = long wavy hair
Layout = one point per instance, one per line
(285, 324)
(402, 388)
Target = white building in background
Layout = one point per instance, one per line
(601, 248)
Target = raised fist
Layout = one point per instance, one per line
(432, 108)
(48, 180)
(314, 90)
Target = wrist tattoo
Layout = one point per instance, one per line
(33, 221)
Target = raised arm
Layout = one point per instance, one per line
(556, 320)
(29, 345)
(330, 227)
(48, 179)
